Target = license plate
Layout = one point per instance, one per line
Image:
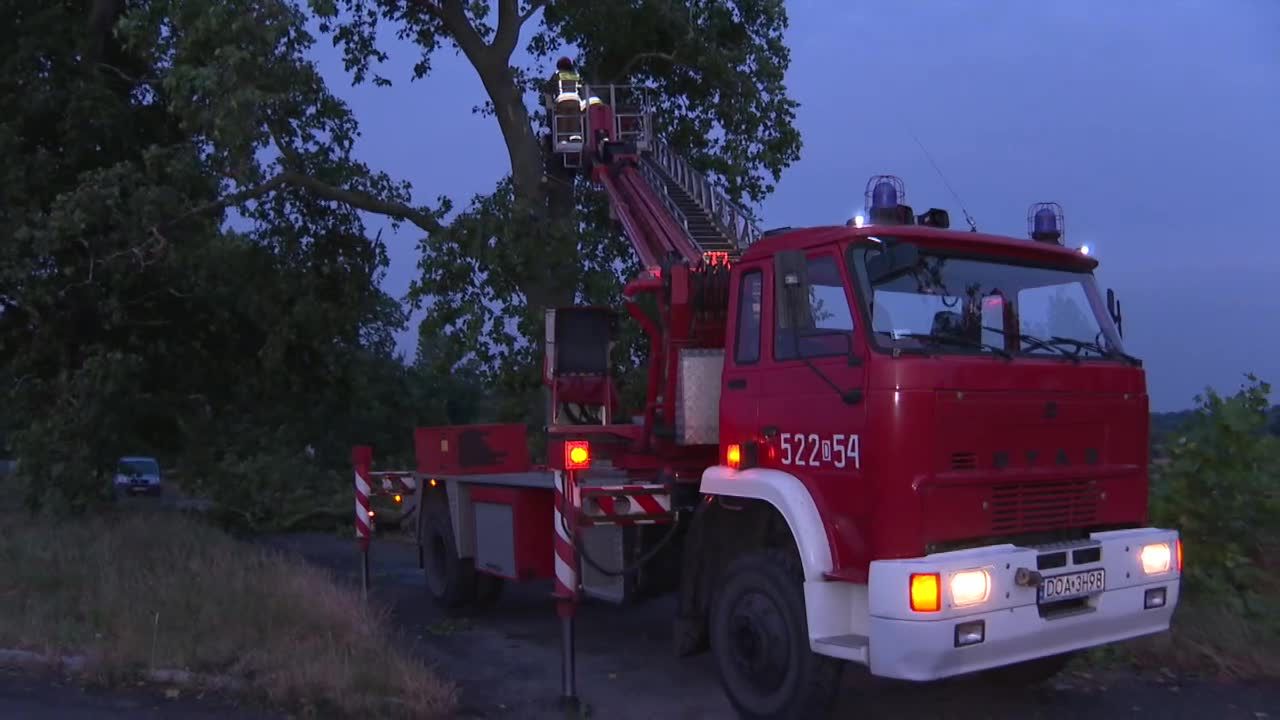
(1065, 587)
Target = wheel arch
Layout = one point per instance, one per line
(789, 497)
(741, 512)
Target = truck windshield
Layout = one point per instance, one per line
(947, 303)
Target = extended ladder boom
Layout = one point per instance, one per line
(666, 208)
(652, 227)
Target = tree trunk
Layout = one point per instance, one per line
(523, 148)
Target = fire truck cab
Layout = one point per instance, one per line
(941, 434)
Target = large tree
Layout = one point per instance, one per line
(134, 315)
(183, 264)
(542, 238)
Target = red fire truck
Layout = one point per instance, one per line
(886, 442)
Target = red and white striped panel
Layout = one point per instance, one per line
(566, 559)
(638, 504)
(362, 507)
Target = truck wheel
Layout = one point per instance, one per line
(760, 640)
(451, 580)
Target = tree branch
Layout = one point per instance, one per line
(454, 16)
(510, 22)
(508, 32)
(223, 203)
(363, 201)
(534, 7)
(353, 198)
(640, 57)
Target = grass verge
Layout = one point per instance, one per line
(133, 591)
(1207, 639)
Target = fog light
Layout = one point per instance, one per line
(1154, 598)
(1155, 558)
(970, 633)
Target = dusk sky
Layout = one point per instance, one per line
(1154, 123)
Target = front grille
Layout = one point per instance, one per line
(1031, 507)
(964, 461)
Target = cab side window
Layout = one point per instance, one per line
(823, 326)
(747, 343)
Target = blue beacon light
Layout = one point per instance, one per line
(1046, 222)
(884, 196)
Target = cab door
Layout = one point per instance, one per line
(812, 398)
(744, 358)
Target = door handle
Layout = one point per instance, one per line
(738, 384)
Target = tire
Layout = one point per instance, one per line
(488, 590)
(760, 641)
(450, 580)
(1029, 673)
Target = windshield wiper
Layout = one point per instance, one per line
(1095, 347)
(951, 340)
(1039, 343)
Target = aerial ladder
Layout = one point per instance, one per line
(685, 232)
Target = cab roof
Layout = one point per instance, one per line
(928, 237)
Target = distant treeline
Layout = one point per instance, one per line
(1167, 425)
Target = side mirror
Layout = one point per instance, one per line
(790, 270)
(1113, 309)
(892, 261)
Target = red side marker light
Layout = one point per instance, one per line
(577, 455)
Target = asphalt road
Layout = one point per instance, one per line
(507, 661)
(28, 695)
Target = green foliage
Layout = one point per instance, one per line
(184, 268)
(718, 69)
(543, 238)
(133, 319)
(1221, 490)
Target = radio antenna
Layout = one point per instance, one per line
(973, 226)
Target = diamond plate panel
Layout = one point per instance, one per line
(698, 411)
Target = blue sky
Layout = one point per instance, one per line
(1153, 122)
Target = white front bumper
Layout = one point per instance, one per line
(922, 646)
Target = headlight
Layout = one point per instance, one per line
(970, 587)
(1155, 558)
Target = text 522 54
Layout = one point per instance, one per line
(813, 450)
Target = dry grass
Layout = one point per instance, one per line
(140, 590)
(1209, 639)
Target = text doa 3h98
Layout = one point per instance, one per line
(919, 449)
